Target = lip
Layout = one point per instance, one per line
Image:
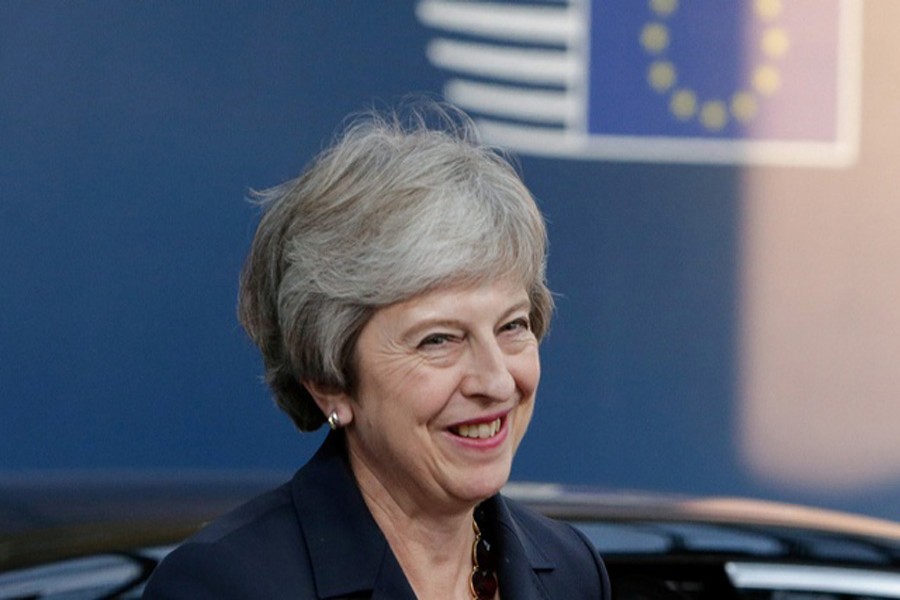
(480, 443)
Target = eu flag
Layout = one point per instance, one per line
(742, 81)
(728, 69)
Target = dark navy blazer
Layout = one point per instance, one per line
(314, 538)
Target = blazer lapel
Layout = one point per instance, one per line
(521, 560)
(391, 583)
(348, 552)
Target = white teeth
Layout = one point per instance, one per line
(481, 431)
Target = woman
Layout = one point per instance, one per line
(396, 291)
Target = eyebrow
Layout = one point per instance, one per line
(427, 323)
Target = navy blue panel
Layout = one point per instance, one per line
(130, 134)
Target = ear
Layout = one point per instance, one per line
(330, 398)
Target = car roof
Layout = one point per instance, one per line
(585, 502)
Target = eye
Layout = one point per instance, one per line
(521, 324)
(434, 340)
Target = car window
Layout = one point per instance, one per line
(119, 576)
(772, 581)
(660, 537)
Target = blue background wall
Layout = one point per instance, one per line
(130, 134)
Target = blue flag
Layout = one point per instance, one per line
(767, 81)
(729, 69)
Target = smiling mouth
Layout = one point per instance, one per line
(479, 431)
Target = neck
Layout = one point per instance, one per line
(433, 547)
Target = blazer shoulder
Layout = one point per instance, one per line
(252, 519)
(253, 551)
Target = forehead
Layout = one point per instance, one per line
(447, 302)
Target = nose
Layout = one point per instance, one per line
(488, 375)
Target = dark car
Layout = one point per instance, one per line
(83, 537)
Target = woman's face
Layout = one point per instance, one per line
(446, 385)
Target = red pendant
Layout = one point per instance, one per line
(484, 584)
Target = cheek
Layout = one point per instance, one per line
(420, 396)
(527, 371)
(522, 420)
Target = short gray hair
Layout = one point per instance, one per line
(400, 204)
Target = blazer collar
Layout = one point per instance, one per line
(349, 553)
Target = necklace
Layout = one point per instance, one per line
(483, 583)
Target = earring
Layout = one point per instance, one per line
(334, 421)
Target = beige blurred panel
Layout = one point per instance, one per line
(820, 314)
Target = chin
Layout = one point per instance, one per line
(487, 484)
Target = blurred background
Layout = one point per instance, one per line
(718, 177)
